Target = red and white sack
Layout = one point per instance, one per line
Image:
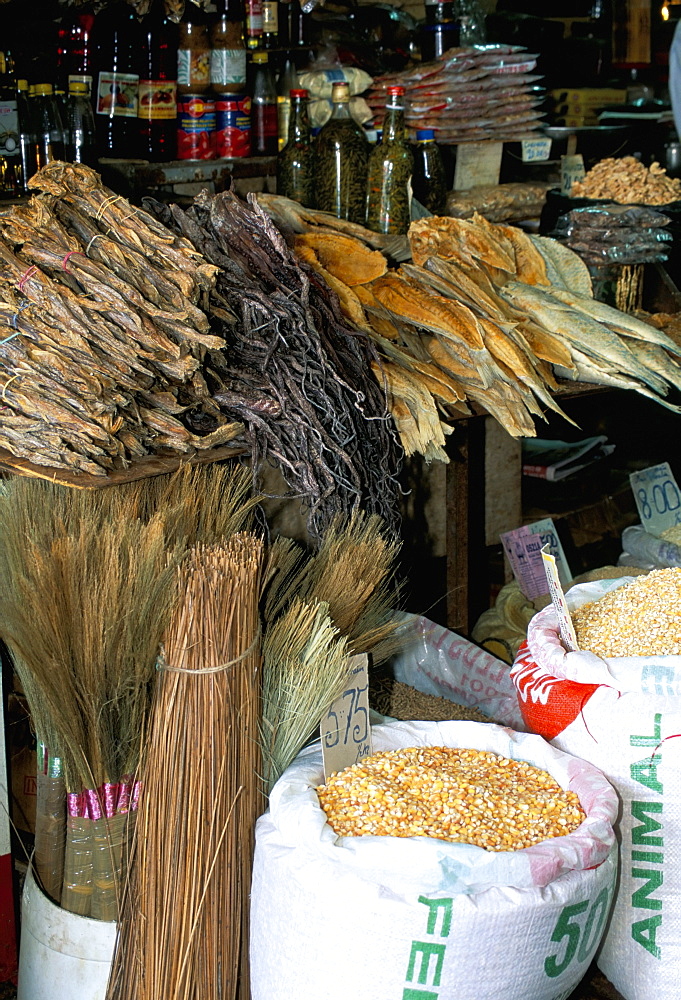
(391, 918)
(622, 714)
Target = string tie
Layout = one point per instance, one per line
(161, 665)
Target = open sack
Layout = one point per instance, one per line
(418, 918)
(623, 715)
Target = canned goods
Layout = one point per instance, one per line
(233, 116)
(195, 128)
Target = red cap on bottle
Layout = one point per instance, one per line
(396, 91)
(299, 93)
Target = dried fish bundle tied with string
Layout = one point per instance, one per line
(104, 332)
(293, 369)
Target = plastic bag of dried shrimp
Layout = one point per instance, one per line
(622, 713)
(422, 918)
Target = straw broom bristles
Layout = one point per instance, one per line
(184, 933)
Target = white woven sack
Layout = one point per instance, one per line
(387, 918)
(621, 714)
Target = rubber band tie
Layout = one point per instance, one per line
(25, 276)
(66, 258)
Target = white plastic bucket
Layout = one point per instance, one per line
(63, 956)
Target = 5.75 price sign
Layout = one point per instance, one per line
(345, 730)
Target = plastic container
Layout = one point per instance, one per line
(62, 955)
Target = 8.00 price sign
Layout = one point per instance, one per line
(345, 729)
(657, 496)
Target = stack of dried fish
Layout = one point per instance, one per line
(292, 370)
(485, 315)
(469, 94)
(102, 334)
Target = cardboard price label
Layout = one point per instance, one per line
(657, 496)
(571, 170)
(523, 549)
(536, 150)
(567, 629)
(345, 731)
(477, 163)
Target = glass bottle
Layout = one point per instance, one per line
(10, 147)
(295, 170)
(429, 181)
(74, 50)
(270, 24)
(473, 30)
(193, 52)
(228, 49)
(28, 140)
(157, 108)
(341, 155)
(441, 29)
(288, 81)
(264, 133)
(48, 125)
(79, 125)
(117, 45)
(254, 23)
(291, 25)
(391, 166)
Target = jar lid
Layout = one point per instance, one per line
(78, 87)
(260, 57)
(43, 89)
(423, 134)
(300, 93)
(22, 84)
(340, 91)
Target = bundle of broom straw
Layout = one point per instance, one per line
(184, 931)
(87, 584)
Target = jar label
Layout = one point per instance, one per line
(270, 17)
(228, 66)
(254, 17)
(193, 67)
(157, 99)
(81, 78)
(196, 129)
(9, 129)
(117, 94)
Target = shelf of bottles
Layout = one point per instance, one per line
(212, 89)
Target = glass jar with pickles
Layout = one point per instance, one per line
(391, 166)
(341, 158)
(295, 174)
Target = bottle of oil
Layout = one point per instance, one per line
(48, 125)
(342, 154)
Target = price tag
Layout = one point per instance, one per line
(523, 550)
(345, 729)
(536, 150)
(571, 170)
(477, 163)
(567, 629)
(657, 498)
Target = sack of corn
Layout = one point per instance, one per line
(393, 914)
(617, 704)
(652, 550)
(442, 663)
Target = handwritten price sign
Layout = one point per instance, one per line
(657, 498)
(345, 729)
(523, 549)
(536, 150)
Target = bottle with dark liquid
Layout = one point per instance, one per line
(429, 181)
(157, 106)
(254, 23)
(117, 46)
(74, 50)
(341, 155)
